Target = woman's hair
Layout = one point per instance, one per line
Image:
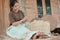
(12, 3)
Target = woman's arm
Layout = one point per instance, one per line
(21, 21)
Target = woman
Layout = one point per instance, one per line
(17, 27)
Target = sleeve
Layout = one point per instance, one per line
(11, 18)
(21, 15)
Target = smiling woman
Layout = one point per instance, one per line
(18, 21)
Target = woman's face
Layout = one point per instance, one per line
(16, 7)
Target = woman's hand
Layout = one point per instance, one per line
(23, 20)
(15, 23)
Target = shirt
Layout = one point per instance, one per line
(14, 17)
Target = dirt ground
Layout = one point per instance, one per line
(8, 38)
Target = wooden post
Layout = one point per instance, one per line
(6, 14)
(1, 17)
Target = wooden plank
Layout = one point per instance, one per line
(6, 13)
(1, 17)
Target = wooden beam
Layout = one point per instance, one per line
(1, 17)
